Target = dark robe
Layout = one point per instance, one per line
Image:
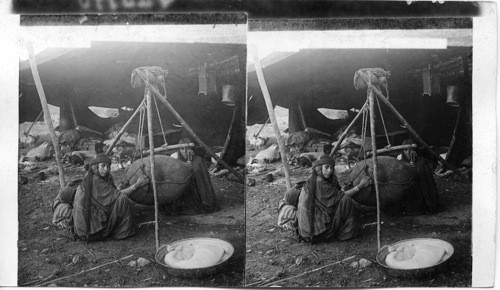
(111, 212)
(424, 196)
(200, 198)
(334, 215)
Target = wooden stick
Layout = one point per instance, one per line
(270, 111)
(39, 280)
(302, 119)
(36, 120)
(125, 126)
(169, 147)
(258, 282)
(193, 134)
(371, 101)
(308, 272)
(414, 133)
(73, 114)
(453, 137)
(342, 137)
(265, 281)
(46, 112)
(149, 108)
(84, 271)
(231, 128)
(393, 148)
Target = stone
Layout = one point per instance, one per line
(250, 182)
(354, 265)
(363, 263)
(132, 264)
(141, 262)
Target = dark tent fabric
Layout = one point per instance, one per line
(323, 78)
(100, 76)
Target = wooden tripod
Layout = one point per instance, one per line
(373, 92)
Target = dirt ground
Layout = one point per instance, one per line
(47, 253)
(273, 253)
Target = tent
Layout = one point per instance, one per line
(75, 79)
(323, 78)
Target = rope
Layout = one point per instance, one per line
(383, 123)
(161, 125)
(140, 129)
(262, 127)
(363, 132)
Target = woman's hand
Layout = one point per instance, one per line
(365, 182)
(143, 180)
(123, 185)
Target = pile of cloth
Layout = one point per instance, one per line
(125, 148)
(351, 149)
(301, 145)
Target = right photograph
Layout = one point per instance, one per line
(359, 158)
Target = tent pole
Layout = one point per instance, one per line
(46, 112)
(122, 130)
(193, 134)
(453, 137)
(392, 149)
(73, 114)
(302, 119)
(149, 108)
(371, 101)
(342, 137)
(230, 131)
(414, 133)
(270, 111)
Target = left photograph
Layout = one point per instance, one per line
(131, 151)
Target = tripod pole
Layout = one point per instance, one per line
(342, 137)
(186, 126)
(371, 101)
(122, 130)
(149, 108)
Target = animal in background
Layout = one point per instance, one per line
(28, 140)
(258, 142)
(269, 155)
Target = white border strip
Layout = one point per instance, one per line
(484, 92)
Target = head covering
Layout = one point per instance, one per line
(100, 158)
(185, 141)
(324, 159)
(408, 141)
(87, 188)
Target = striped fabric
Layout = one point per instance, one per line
(287, 216)
(62, 215)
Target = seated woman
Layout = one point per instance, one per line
(425, 196)
(201, 196)
(110, 208)
(320, 211)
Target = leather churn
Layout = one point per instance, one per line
(395, 178)
(172, 179)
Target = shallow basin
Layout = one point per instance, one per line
(228, 251)
(420, 273)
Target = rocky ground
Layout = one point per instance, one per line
(273, 253)
(46, 254)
